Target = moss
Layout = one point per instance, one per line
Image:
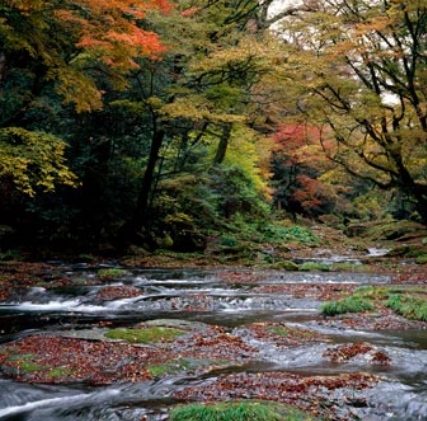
(146, 336)
(421, 260)
(112, 273)
(60, 372)
(285, 265)
(25, 363)
(239, 411)
(184, 364)
(314, 266)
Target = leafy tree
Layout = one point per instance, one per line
(195, 101)
(361, 69)
(306, 181)
(33, 160)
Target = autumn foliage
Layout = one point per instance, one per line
(300, 167)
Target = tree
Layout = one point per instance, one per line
(69, 42)
(305, 180)
(361, 67)
(207, 85)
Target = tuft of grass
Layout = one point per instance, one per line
(410, 307)
(149, 335)
(352, 304)
(238, 411)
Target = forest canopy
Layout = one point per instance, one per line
(157, 122)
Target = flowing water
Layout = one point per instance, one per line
(232, 299)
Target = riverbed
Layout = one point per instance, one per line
(242, 334)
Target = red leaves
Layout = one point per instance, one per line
(119, 291)
(277, 386)
(93, 362)
(346, 352)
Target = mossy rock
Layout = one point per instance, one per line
(111, 273)
(149, 335)
(181, 365)
(314, 267)
(239, 411)
(185, 325)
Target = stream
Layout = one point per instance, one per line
(239, 304)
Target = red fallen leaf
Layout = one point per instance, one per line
(346, 352)
(381, 358)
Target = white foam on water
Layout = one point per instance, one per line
(60, 401)
(68, 305)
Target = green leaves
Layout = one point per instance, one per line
(34, 161)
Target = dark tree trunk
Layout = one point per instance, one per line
(223, 144)
(140, 218)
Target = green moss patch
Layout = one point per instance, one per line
(185, 365)
(238, 411)
(112, 273)
(315, 267)
(149, 335)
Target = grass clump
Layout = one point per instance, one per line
(238, 411)
(414, 308)
(352, 304)
(149, 335)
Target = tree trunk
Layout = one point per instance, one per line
(223, 144)
(140, 218)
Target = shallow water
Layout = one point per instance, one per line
(212, 297)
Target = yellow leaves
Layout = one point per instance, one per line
(34, 160)
(196, 107)
(76, 87)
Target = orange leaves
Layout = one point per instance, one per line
(112, 32)
(72, 36)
